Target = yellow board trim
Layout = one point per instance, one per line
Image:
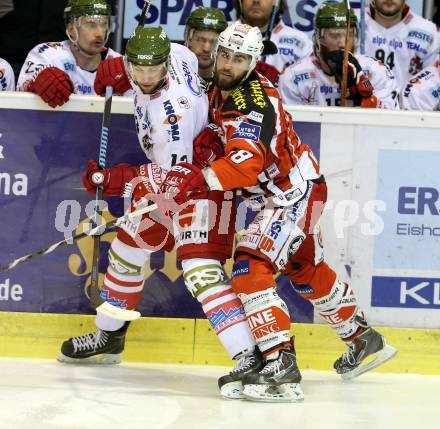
(192, 341)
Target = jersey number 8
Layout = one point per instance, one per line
(240, 156)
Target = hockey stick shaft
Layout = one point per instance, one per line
(346, 52)
(63, 243)
(144, 13)
(273, 14)
(95, 298)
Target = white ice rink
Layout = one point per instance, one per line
(43, 394)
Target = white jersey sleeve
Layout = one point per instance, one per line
(292, 87)
(7, 78)
(293, 45)
(423, 91)
(58, 55)
(384, 83)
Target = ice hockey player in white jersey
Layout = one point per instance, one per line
(422, 92)
(317, 80)
(7, 79)
(292, 44)
(171, 108)
(404, 41)
(56, 70)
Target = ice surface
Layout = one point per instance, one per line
(44, 394)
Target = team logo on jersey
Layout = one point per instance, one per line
(255, 116)
(195, 88)
(69, 67)
(420, 35)
(172, 119)
(239, 100)
(304, 76)
(84, 89)
(48, 45)
(292, 41)
(257, 93)
(247, 131)
(272, 171)
(183, 102)
(240, 268)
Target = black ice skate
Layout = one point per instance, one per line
(353, 362)
(278, 381)
(230, 385)
(100, 347)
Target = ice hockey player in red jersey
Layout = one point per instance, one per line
(277, 171)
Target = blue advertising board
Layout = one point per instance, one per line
(42, 157)
(409, 184)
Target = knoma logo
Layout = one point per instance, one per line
(172, 119)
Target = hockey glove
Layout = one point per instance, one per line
(53, 86)
(360, 87)
(183, 182)
(208, 146)
(113, 180)
(111, 72)
(268, 71)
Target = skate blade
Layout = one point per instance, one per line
(380, 357)
(233, 390)
(287, 392)
(104, 359)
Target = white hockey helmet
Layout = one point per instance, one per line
(244, 39)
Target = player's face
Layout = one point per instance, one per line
(256, 12)
(389, 7)
(148, 78)
(230, 68)
(333, 39)
(202, 43)
(92, 33)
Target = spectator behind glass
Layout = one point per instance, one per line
(401, 39)
(292, 44)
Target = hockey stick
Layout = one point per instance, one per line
(62, 243)
(346, 52)
(269, 47)
(95, 296)
(144, 13)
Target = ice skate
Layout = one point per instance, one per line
(354, 361)
(99, 347)
(278, 381)
(230, 385)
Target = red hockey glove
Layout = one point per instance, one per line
(113, 180)
(268, 71)
(111, 72)
(53, 86)
(208, 146)
(184, 181)
(360, 87)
